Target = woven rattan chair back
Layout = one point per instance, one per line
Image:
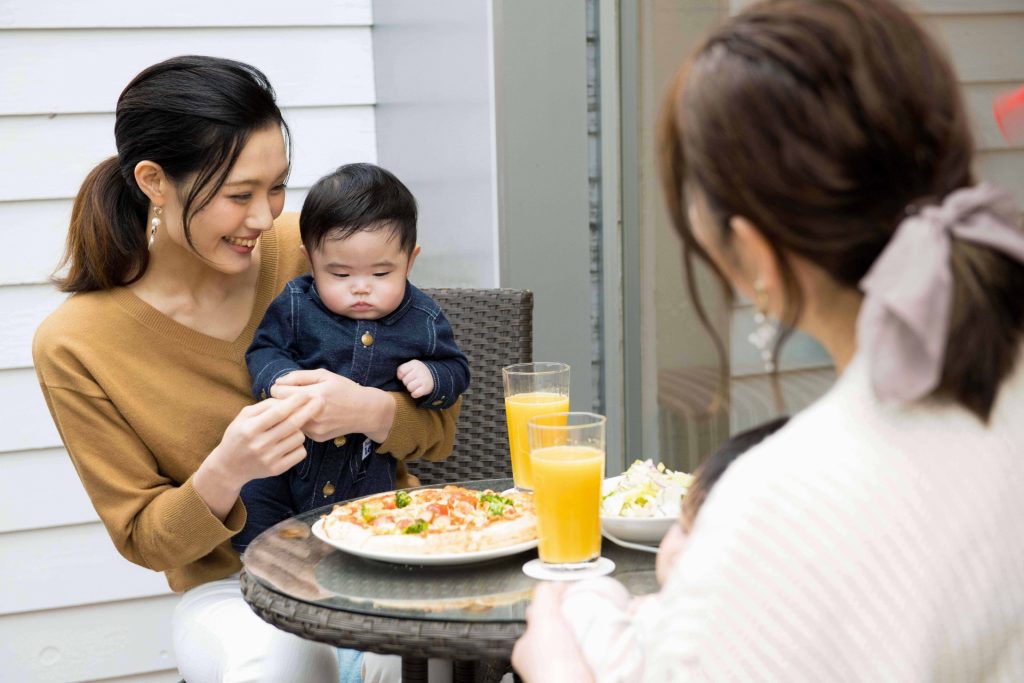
(494, 328)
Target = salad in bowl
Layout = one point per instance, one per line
(641, 504)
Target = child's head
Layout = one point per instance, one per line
(358, 227)
(714, 466)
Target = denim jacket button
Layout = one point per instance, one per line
(437, 403)
(367, 339)
(340, 441)
(328, 489)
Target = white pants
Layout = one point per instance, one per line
(219, 639)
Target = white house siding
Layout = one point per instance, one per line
(71, 609)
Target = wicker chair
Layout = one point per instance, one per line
(494, 328)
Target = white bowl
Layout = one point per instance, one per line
(634, 529)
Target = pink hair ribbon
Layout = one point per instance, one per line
(908, 293)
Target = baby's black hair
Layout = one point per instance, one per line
(714, 466)
(358, 197)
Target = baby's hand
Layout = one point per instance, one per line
(416, 377)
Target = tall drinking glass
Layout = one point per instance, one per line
(567, 455)
(531, 389)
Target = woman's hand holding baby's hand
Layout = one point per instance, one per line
(263, 440)
(346, 408)
(416, 377)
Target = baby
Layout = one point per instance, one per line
(357, 315)
(600, 611)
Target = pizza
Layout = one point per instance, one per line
(433, 521)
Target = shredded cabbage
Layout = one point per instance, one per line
(646, 490)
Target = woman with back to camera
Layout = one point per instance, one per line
(817, 154)
(173, 254)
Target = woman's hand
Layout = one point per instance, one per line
(669, 549)
(348, 408)
(548, 651)
(263, 440)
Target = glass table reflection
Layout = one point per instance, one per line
(470, 613)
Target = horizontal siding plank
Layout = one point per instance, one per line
(967, 6)
(88, 643)
(931, 7)
(27, 423)
(58, 72)
(984, 48)
(35, 231)
(75, 565)
(24, 307)
(22, 14)
(1003, 168)
(28, 476)
(979, 98)
(54, 154)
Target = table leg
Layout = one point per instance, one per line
(414, 670)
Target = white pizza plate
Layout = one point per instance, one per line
(648, 530)
(438, 559)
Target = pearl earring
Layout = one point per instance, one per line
(764, 333)
(154, 224)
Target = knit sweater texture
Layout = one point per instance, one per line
(861, 542)
(140, 400)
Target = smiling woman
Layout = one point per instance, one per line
(176, 247)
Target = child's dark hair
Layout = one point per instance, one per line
(714, 466)
(192, 115)
(358, 197)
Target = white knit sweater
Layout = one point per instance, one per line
(861, 542)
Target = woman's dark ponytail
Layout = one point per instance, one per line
(106, 243)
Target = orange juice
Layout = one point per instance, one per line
(567, 494)
(518, 411)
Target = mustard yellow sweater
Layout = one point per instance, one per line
(140, 401)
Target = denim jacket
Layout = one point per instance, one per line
(299, 332)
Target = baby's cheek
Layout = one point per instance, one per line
(669, 552)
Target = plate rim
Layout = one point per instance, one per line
(432, 559)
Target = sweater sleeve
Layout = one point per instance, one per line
(418, 433)
(600, 614)
(152, 521)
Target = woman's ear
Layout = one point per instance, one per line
(757, 260)
(152, 181)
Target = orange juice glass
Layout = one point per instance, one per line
(567, 455)
(531, 389)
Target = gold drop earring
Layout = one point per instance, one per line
(154, 224)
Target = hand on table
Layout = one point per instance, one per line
(548, 651)
(347, 407)
(416, 377)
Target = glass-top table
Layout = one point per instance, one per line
(466, 612)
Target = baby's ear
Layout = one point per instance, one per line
(412, 258)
